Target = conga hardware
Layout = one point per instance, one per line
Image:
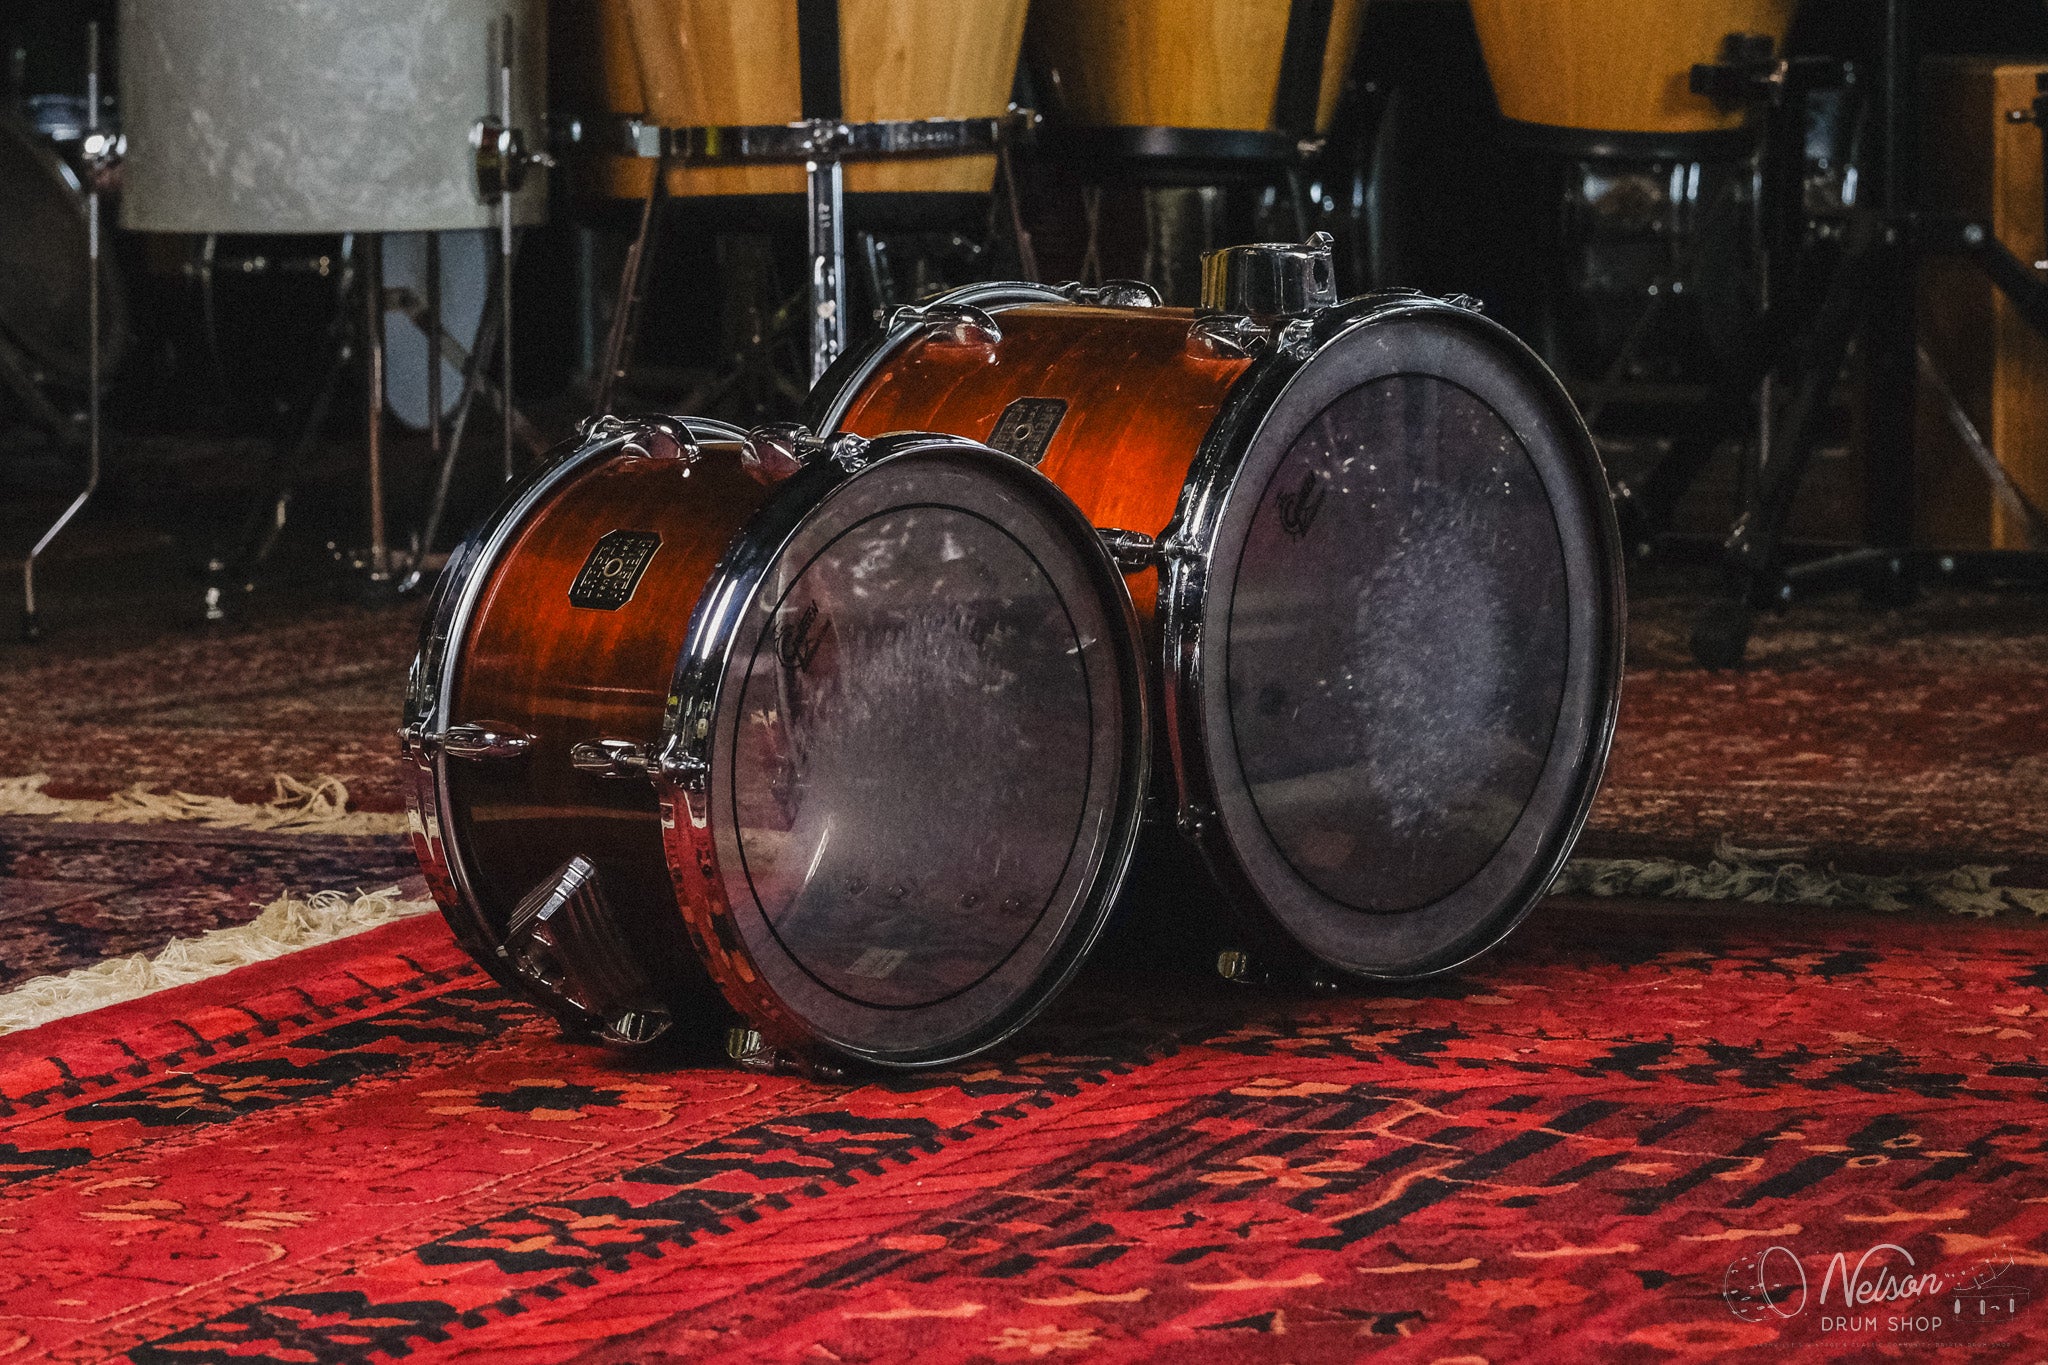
(1387, 617)
(847, 735)
(823, 146)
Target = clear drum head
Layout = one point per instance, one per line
(1417, 625)
(929, 757)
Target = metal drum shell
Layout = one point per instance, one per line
(1154, 436)
(304, 116)
(1179, 63)
(1615, 66)
(689, 63)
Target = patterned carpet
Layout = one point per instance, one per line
(1595, 1137)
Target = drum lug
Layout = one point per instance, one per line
(746, 1047)
(1466, 302)
(683, 446)
(1111, 293)
(1234, 964)
(416, 741)
(564, 943)
(685, 772)
(1225, 336)
(773, 452)
(1270, 279)
(954, 324)
(848, 451)
(611, 758)
(485, 743)
(1133, 551)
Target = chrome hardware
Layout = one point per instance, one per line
(599, 427)
(1133, 551)
(953, 324)
(412, 739)
(610, 758)
(1111, 293)
(685, 772)
(745, 1046)
(1221, 337)
(780, 445)
(1194, 821)
(1233, 965)
(848, 451)
(565, 943)
(1270, 279)
(676, 433)
(501, 157)
(1472, 305)
(482, 743)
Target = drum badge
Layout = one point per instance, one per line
(607, 579)
(1025, 429)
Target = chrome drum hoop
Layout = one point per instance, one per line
(689, 760)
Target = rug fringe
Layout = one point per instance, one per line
(1778, 876)
(286, 925)
(316, 807)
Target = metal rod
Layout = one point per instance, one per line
(471, 382)
(826, 193)
(373, 416)
(433, 331)
(505, 250)
(618, 345)
(30, 625)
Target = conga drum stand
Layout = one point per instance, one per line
(1866, 303)
(822, 147)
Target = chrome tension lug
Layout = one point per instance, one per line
(954, 324)
(660, 438)
(1111, 293)
(773, 452)
(746, 1047)
(848, 451)
(610, 758)
(1133, 551)
(485, 743)
(683, 771)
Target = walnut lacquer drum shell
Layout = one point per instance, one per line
(1621, 66)
(1178, 63)
(685, 63)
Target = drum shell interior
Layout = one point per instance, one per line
(1179, 63)
(564, 674)
(303, 116)
(686, 63)
(1620, 66)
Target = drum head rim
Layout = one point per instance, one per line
(1196, 642)
(696, 790)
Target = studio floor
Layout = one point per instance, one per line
(1787, 995)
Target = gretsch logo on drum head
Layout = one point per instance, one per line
(1026, 427)
(607, 579)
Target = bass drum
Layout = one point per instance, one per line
(1388, 612)
(860, 730)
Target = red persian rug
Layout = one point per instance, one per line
(1632, 1134)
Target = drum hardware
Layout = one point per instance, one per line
(559, 899)
(502, 164)
(1222, 480)
(1864, 300)
(564, 942)
(100, 154)
(822, 146)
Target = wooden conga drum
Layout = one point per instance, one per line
(1179, 77)
(1374, 546)
(689, 63)
(1616, 66)
(851, 739)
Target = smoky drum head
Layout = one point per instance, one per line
(928, 760)
(1411, 636)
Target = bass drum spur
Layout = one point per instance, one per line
(1377, 561)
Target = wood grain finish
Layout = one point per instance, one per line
(1179, 63)
(1138, 405)
(694, 62)
(1621, 66)
(565, 674)
(1976, 164)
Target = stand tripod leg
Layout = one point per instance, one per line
(31, 625)
(373, 416)
(633, 276)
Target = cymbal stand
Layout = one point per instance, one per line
(100, 156)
